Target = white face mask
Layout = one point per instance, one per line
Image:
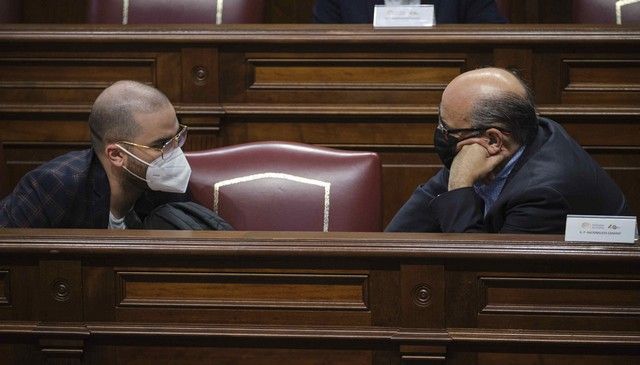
(169, 174)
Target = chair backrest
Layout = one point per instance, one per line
(176, 11)
(606, 11)
(10, 11)
(267, 186)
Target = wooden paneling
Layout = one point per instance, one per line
(535, 296)
(200, 68)
(18, 285)
(348, 87)
(61, 291)
(111, 297)
(62, 72)
(350, 74)
(5, 288)
(334, 78)
(240, 355)
(596, 81)
(422, 296)
(242, 290)
(67, 79)
(558, 359)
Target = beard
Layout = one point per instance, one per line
(131, 181)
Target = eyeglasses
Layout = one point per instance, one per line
(446, 131)
(165, 148)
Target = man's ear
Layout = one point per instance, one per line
(495, 143)
(114, 154)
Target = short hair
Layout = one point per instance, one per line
(509, 111)
(112, 116)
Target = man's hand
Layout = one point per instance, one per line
(474, 163)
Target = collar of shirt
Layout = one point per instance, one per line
(116, 223)
(490, 192)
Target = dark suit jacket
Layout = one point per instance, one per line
(447, 11)
(70, 191)
(554, 177)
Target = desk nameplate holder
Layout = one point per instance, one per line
(594, 228)
(404, 16)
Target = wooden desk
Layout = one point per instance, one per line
(134, 297)
(348, 87)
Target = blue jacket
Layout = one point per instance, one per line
(554, 177)
(447, 11)
(70, 191)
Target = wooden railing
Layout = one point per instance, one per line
(142, 297)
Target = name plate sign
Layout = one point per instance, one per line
(597, 228)
(405, 16)
(401, 2)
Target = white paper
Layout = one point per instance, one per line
(413, 16)
(401, 2)
(594, 228)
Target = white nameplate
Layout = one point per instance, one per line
(600, 228)
(410, 16)
(401, 2)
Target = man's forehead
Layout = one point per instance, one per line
(157, 124)
(453, 116)
(165, 114)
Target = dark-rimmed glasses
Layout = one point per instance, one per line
(446, 131)
(165, 148)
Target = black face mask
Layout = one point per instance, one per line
(445, 147)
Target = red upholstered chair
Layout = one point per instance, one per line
(10, 11)
(176, 11)
(268, 186)
(606, 11)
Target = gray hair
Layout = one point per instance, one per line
(112, 115)
(508, 111)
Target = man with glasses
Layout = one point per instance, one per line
(505, 168)
(135, 164)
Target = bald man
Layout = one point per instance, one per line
(135, 163)
(505, 168)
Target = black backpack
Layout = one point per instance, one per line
(185, 216)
